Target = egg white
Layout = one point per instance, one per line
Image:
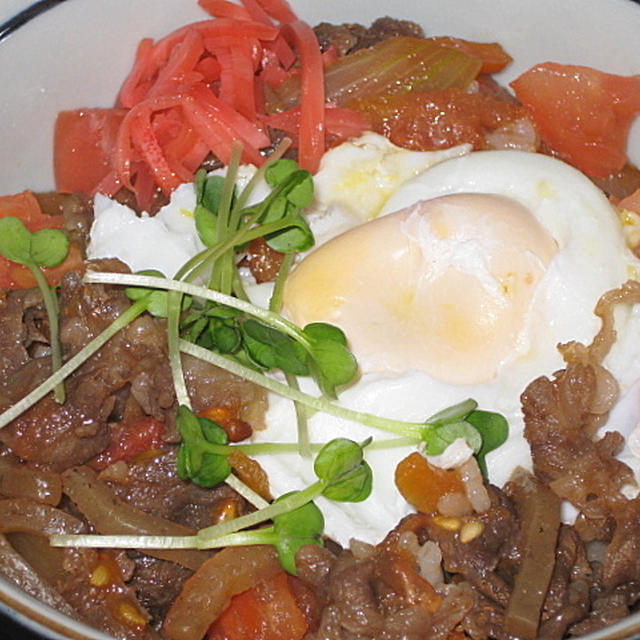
(591, 258)
(362, 180)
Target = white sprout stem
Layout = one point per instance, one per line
(246, 492)
(51, 307)
(173, 337)
(205, 538)
(153, 282)
(410, 429)
(123, 541)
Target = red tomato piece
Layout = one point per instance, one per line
(583, 115)
(269, 611)
(437, 120)
(130, 440)
(25, 207)
(84, 141)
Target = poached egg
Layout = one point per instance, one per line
(453, 275)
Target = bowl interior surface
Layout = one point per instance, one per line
(92, 45)
(77, 53)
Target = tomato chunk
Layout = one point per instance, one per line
(25, 207)
(84, 141)
(583, 115)
(439, 119)
(130, 440)
(269, 611)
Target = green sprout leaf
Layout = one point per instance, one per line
(454, 413)
(15, 240)
(49, 247)
(287, 172)
(226, 337)
(196, 460)
(44, 248)
(341, 467)
(295, 529)
(206, 225)
(212, 193)
(321, 331)
(336, 365)
(272, 349)
(158, 300)
(494, 430)
(331, 362)
(277, 172)
(336, 458)
(441, 437)
(446, 426)
(295, 237)
(354, 486)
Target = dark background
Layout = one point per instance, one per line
(11, 631)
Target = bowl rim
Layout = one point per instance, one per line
(41, 619)
(27, 14)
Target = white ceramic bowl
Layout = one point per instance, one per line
(77, 52)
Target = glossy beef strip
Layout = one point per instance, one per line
(347, 38)
(134, 360)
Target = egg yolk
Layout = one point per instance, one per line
(443, 286)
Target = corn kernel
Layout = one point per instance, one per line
(217, 414)
(470, 531)
(128, 614)
(225, 510)
(449, 524)
(100, 576)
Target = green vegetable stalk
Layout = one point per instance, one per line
(44, 248)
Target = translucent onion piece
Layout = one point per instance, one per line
(208, 592)
(17, 480)
(27, 516)
(109, 515)
(395, 65)
(14, 568)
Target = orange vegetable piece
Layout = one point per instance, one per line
(130, 440)
(422, 485)
(439, 119)
(268, 611)
(582, 114)
(228, 418)
(83, 146)
(26, 208)
(400, 575)
(251, 473)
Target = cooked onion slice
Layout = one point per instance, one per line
(109, 515)
(208, 592)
